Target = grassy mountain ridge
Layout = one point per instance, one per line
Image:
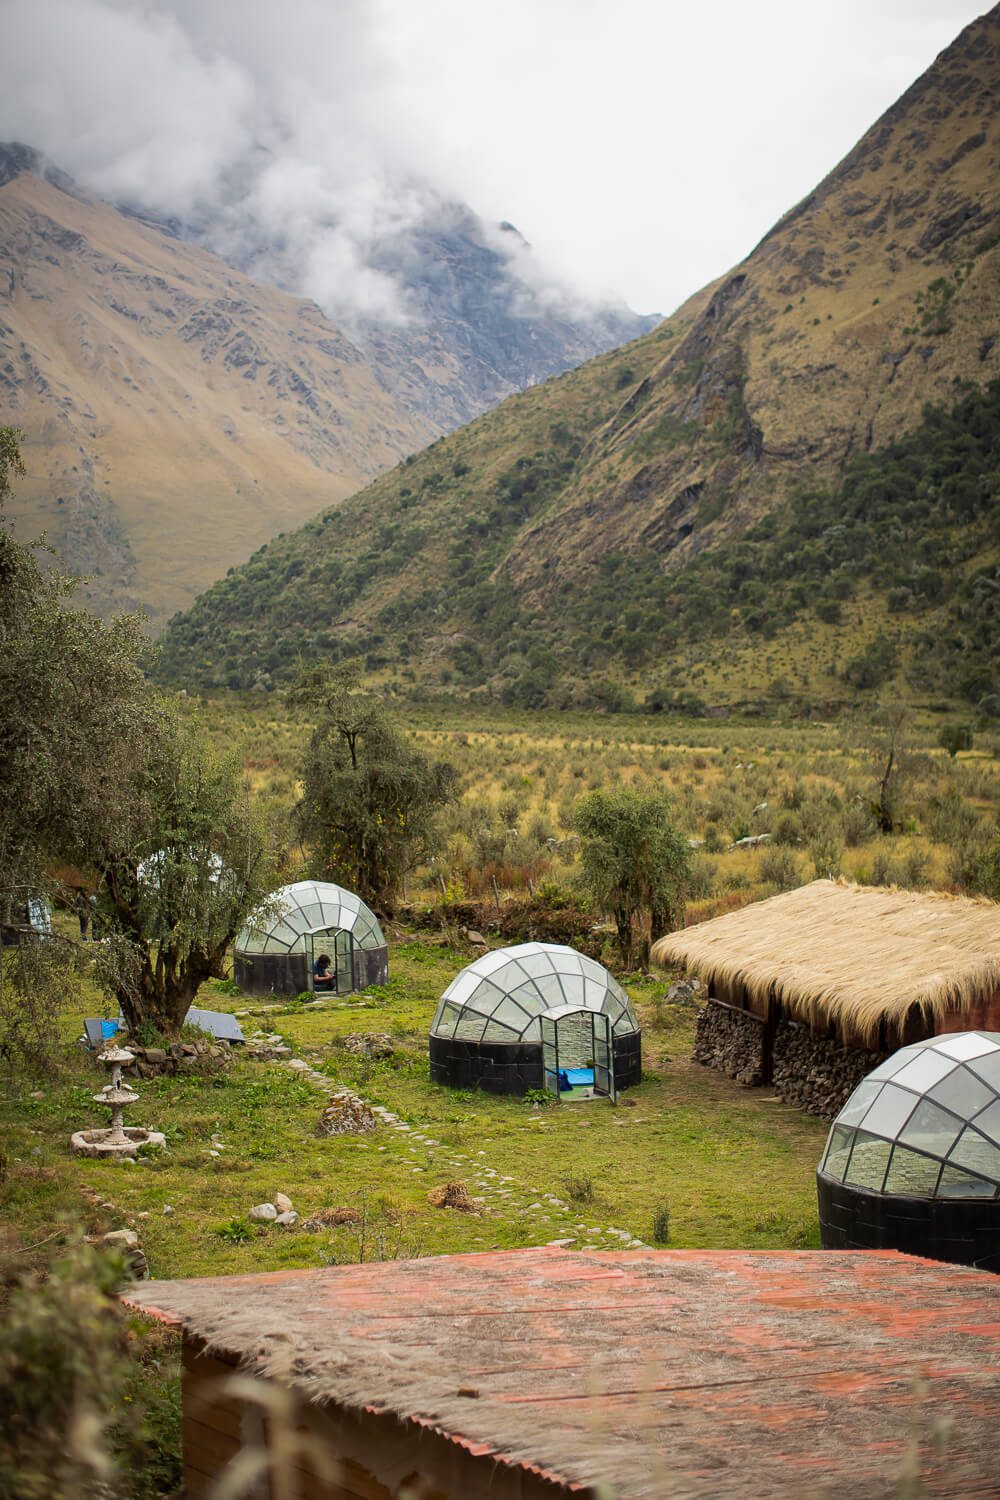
(175, 413)
(556, 540)
(178, 412)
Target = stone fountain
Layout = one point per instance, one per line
(118, 1140)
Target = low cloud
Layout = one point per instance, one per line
(267, 131)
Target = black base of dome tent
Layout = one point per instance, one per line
(288, 973)
(965, 1231)
(515, 1067)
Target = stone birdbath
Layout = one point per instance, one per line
(118, 1140)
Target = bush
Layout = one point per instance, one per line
(70, 1426)
(955, 737)
(786, 830)
(579, 1189)
(780, 868)
(661, 1223)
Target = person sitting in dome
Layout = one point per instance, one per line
(323, 977)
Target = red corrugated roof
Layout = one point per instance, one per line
(721, 1372)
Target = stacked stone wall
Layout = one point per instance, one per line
(730, 1040)
(815, 1072)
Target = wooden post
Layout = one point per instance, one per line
(496, 891)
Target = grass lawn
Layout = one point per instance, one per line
(732, 1166)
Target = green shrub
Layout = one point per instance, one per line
(661, 1223)
(786, 830)
(579, 1189)
(72, 1411)
(780, 868)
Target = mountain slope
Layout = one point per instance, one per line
(479, 318)
(486, 559)
(176, 414)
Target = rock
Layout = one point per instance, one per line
(346, 1114)
(282, 1203)
(168, 1208)
(156, 1056)
(287, 1219)
(681, 993)
(369, 1044)
(265, 1213)
(120, 1239)
(298, 1064)
(560, 1244)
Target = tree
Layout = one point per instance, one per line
(369, 797)
(192, 860)
(955, 737)
(635, 863)
(98, 771)
(74, 706)
(884, 735)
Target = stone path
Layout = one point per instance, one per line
(499, 1192)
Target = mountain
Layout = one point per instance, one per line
(178, 412)
(478, 319)
(558, 537)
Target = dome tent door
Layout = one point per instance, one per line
(577, 1053)
(337, 945)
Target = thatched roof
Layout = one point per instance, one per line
(850, 954)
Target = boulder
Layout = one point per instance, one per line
(264, 1213)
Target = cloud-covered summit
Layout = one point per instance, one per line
(271, 134)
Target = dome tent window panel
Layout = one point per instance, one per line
(989, 1121)
(987, 1069)
(962, 1092)
(869, 1159)
(955, 1183)
(912, 1173)
(924, 1071)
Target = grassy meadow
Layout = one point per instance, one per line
(808, 785)
(688, 1158)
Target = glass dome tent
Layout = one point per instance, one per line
(913, 1159)
(311, 918)
(538, 1015)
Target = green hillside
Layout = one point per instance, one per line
(751, 503)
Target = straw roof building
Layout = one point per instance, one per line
(864, 968)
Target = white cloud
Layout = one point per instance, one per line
(642, 146)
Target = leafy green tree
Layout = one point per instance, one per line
(74, 707)
(955, 737)
(97, 771)
(190, 861)
(369, 797)
(635, 863)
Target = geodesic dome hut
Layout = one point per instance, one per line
(313, 917)
(538, 1015)
(912, 1162)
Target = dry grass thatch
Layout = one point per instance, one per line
(849, 955)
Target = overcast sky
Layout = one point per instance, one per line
(643, 146)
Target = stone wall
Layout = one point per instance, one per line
(176, 1057)
(730, 1040)
(815, 1072)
